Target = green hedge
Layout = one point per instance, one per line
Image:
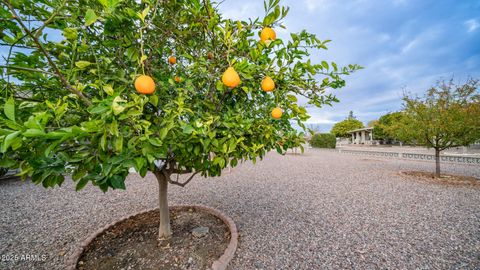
(323, 140)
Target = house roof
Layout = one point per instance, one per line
(361, 129)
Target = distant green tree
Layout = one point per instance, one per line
(323, 140)
(351, 116)
(342, 128)
(447, 116)
(372, 123)
(385, 127)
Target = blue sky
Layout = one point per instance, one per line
(404, 45)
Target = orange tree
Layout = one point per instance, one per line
(93, 88)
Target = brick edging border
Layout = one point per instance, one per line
(220, 264)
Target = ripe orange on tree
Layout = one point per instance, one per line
(172, 60)
(144, 84)
(177, 79)
(268, 35)
(268, 84)
(276, 113)
(230, 78)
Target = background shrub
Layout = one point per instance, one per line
(323, 140)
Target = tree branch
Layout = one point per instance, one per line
(47, 55)
(29, 69)
(18, 46)
(177, 171)
(49, 20)
(184, 183)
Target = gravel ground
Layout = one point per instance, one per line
(319, 210)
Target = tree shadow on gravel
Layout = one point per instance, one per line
(444, 179)
(11, 179)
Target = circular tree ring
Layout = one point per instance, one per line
(220, 264)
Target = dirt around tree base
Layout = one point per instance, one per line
(444, 179)
(132, 244)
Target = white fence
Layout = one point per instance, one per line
(415, 156)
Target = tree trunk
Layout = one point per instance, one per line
(437, 163)
(164, 229)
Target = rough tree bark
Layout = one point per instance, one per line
(437, 162)
(164, 229)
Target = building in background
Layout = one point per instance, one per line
(362, 135)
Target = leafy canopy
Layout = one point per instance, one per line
(447, 116)
(342, 128)
(386, 126)
(323, 140)
(69, 105)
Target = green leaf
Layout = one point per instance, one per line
(9, 109)
(90, 17)
(70, 33)
(81, 184)
(50, 148)
(196, 150)
(103, 141)
(6, 162)
(163, 133)
(292, 98)
(155, 142)
(118, 182)
(116, 107)
(78, 174)
(9, 140)
(119, 144)
(33, 133)
(188, 129)
(153, 99)
(325, 64)
(55, 135)
(143, 172)
(108, 89)
(142, 15)
(219, 85)
(132, 53)
(104, 3)
(82, 64)
(98, 109)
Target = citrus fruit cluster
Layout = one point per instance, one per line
(145, 85)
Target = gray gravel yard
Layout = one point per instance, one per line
(319, 210)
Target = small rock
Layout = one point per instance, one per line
(259, 265)
(80, 263)
(199, 232)
(62, 253)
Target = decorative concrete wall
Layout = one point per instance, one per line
(415, 156)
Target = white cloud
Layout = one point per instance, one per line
(318, 120)
(313, 5)
(472, 25)
(321, 117)
(410, 46)
(423, 39)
